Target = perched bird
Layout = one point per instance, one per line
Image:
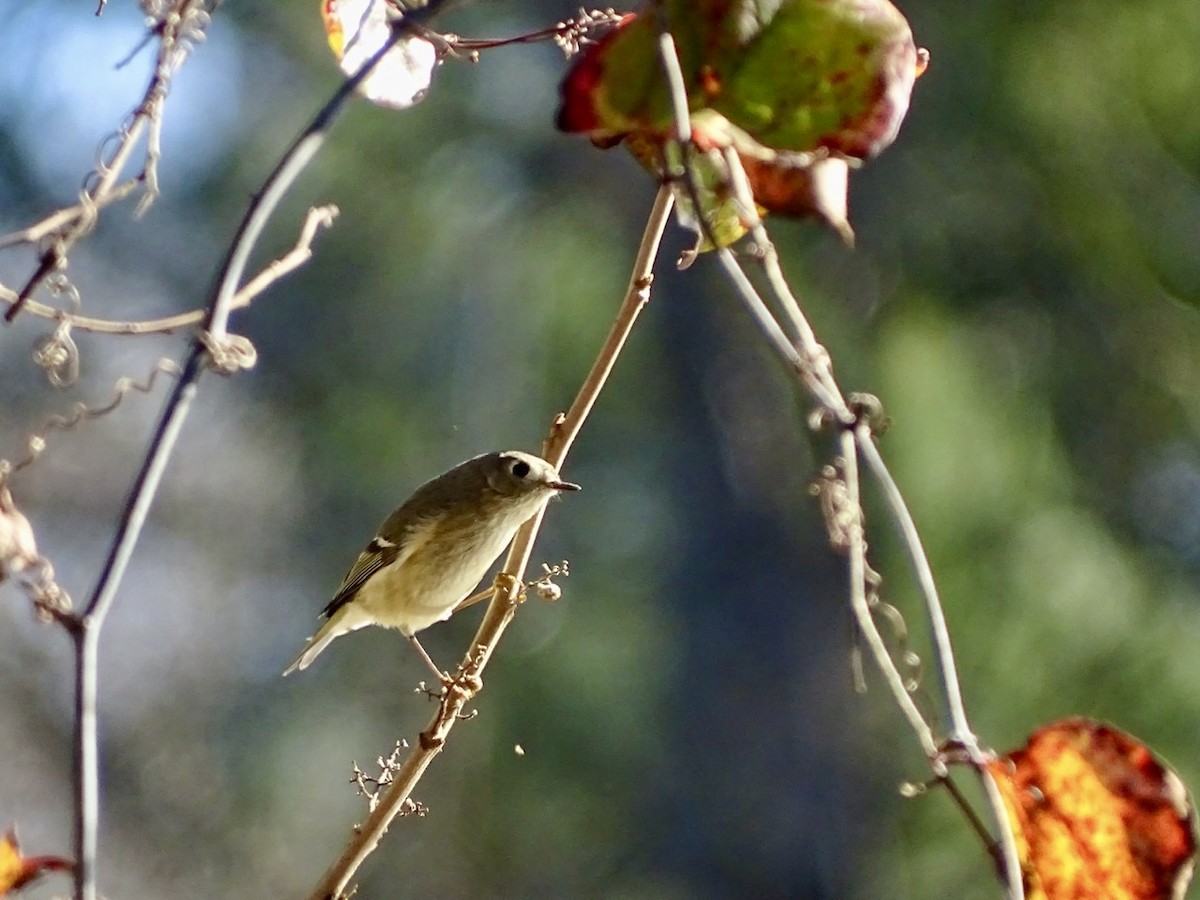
(430, 553)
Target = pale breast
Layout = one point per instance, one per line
(439, 573)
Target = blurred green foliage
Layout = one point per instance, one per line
(1022, 299)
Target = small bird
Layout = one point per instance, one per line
(430, 552)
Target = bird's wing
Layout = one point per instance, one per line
(380, 553)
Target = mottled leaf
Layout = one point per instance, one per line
(1097, 816)
(798, 88)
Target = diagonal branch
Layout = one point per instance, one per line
(502, 608)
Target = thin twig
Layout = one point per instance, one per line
(318, 217)
(818, 376)
(779, 341)
(809, 360)
(68, 215)
(823, 388)
(35, 444)
(178, 25)
(960, 730)
(961, 734)
(568, 34)
(805, 335)
(673, 73)
(86, 628)
(862, 611)
(829, 396)
(503, 605)
(818, 369)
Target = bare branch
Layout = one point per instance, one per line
(86, 627)
(811, 363)
(569, 35)
(69, 217)
(35, 444)
(318, 218)
(679, 170)
(857, 545)
(508, 583)
(179, 28)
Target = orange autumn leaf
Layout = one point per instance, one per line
(17, 871)
(1096, 816)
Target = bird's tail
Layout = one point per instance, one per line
(346, 619)
(312, 649)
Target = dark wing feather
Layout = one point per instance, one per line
(376, 556)
(406, 526)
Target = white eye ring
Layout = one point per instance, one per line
(519, 468)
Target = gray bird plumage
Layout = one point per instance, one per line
(430, 552)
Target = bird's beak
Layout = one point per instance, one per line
(564, 486)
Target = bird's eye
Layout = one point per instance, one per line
(520, 468)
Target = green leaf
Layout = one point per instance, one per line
(801, 75)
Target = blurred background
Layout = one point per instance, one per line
(1022, 298)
